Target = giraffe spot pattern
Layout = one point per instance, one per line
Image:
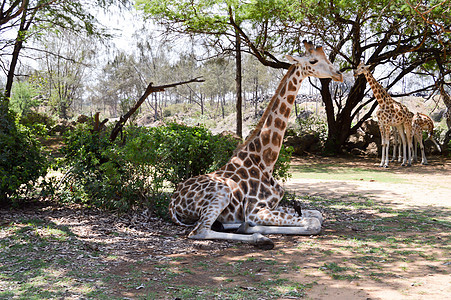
(282, 109)
(265, 136)
(276, 139)
(269, 156)
(245, 179)
(283, 89)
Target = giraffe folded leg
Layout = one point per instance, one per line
(256, 238)
(298, 212)
(311, 227)
(275, 222)
(208, 217)
(310, 213)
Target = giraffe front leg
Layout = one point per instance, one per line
(306, 213)
(385, 138)
(266, 221)
(210, 213)
(424, 161)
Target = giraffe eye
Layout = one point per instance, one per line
(313, 61)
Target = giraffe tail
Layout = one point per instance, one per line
(430, 137)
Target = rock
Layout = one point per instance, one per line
(437, 116)
(372, 149)
(306, 143)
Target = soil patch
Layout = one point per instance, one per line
(380, 240)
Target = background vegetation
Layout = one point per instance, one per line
(60, 61)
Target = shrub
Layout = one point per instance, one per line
(313, 124)
(144, 170)
(139, 172)
(40, 124)
(22, 161)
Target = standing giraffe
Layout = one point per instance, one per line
(447, 100)
(420, 123)
(390, 113)
(243, 194)
(396, 136)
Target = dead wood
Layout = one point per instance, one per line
(149, 90)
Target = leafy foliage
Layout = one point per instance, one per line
(313, 124)
(23, 97)
(143, 171)
(22, 161)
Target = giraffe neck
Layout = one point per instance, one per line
(379, 92)
(263, 145)
(445, 96)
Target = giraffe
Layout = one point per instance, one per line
(397, 137)
(390, 113)
(420, 123)
(243, 194)
(447, 100)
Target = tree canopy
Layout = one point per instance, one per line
(400, 37)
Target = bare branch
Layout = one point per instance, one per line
(149, 90)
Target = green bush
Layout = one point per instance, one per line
(141, 171)
(313, 124)
(144, 170)
(40, 124)
(22, 161)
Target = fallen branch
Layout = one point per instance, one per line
(149, 90)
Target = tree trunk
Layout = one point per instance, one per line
(239, 98)
(18, 45)
(340, 124)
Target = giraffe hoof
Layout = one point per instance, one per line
(297, 207)
(262, 242)
(385, 166)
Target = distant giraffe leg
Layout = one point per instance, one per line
(419, 138)
(409, 143)
(404, 144)
(395, 144)
(385, 141)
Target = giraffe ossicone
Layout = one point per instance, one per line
(243, 195)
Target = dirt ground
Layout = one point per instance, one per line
(379, 241)
(426, 184)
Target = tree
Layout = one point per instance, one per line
(64, 70)
(209, 19)
(388, 34)
(120, 83)
(31, 18)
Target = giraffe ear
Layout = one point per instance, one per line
(291, 59)
(308, 46)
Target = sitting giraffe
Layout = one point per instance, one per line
(420, 123)
(390, 113)
(243, 194)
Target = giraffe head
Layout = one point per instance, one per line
(315, 63)
(361, 69)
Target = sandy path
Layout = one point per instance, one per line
(422, 186)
